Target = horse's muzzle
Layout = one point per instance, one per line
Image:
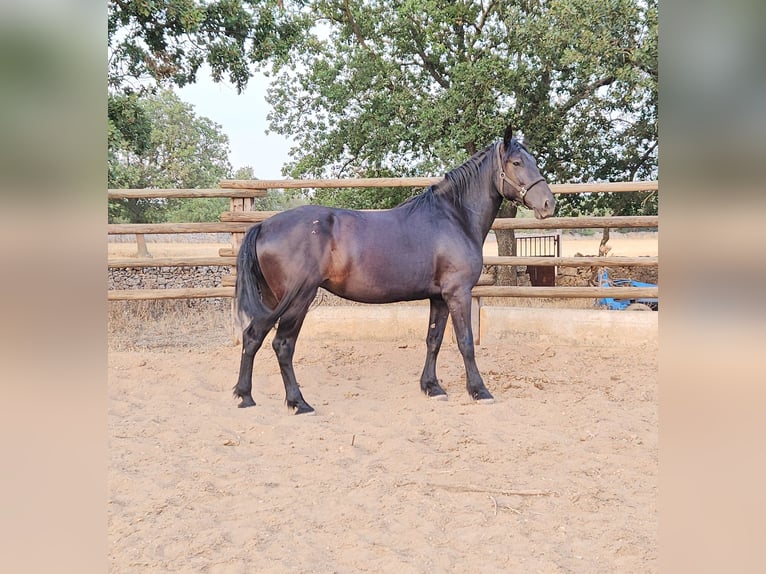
(545, 205)
(549, 206)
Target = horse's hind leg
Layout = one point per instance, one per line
(284, 346)
(252, 339)
(436, 324)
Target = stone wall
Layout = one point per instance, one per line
(584, 276)
(166, 277)
(171, 278)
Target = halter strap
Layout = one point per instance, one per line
(520, 189)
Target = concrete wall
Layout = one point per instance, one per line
(574, 326)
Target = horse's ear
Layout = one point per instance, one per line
(507, 136)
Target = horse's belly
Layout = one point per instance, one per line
(374, 284)
(379, 295)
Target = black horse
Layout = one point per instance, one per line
(429, 247)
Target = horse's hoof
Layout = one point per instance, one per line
(246, 402)
(483, 397)
(307, 411)
(434, 391)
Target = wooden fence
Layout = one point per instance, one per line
(239, 218)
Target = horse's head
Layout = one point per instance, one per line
(520, 180)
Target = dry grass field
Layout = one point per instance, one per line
(623, 244)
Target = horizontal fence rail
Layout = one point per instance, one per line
(165, 228)
(239, 219)
(478, 291)
(500, 223)
(259, 187)
(183, 193)
(567, 292)
(577, 222)
(329, 183)
(648, 261)
(605, 187)
(155, 294)
(211, 261)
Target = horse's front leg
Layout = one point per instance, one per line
(459, 304)
(436, 324)
(284, 347)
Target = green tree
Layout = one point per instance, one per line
(167, 41)
(129, 138)
(414, 87)
(196, 209)
(167, 146)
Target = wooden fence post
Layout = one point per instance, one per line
(237, 204)
(476, 319)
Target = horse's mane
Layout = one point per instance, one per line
(455, 181)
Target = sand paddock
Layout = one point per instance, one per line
(559, 475)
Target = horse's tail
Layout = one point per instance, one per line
(247, 290)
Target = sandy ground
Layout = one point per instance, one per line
(559, 475)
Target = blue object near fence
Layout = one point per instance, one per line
(619, 304)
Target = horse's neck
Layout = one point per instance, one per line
(493, 207)
(480, 206)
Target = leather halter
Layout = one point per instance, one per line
(520, 189)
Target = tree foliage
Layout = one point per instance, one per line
(414, 87)
(157, 141)
(167, 41)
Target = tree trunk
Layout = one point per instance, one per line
(141, 245)
(603, 248)
(506, 245)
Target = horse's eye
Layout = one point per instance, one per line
(517, 163)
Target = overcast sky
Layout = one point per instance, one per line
(243, 119)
